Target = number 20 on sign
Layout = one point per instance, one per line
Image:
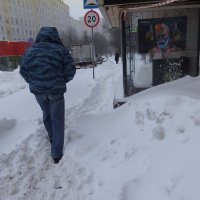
(91, 18)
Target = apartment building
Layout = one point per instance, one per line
(20, 20)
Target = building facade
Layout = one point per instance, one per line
(20, 20)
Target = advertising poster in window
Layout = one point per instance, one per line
(162, 34)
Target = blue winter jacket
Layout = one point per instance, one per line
(47, 65)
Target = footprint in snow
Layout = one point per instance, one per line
(158, 133)
(196, 120)
(139, 118)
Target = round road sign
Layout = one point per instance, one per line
(91, 18)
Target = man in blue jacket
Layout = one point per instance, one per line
(47, 66)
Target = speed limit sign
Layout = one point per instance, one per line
(91, 18)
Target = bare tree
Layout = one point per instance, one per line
(85, 38)
(115, 39)
(114, 35)
(101, 44)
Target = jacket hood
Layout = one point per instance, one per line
(48, 34)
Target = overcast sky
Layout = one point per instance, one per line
(76, 8)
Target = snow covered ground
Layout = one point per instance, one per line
(145, 149)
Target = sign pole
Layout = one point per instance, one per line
(93, 55)
(91, 19)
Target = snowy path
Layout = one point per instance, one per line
(29, 173)
(146, 149)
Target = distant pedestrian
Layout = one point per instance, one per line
(47, 66)
(117, 57)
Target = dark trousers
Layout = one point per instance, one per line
(53, 108)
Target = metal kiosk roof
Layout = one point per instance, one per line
(112, 9)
